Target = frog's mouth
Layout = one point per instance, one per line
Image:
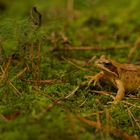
(100, 66)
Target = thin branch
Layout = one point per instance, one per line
(72, 93)
(136, 121)
(76, 65)
(104, 93)
(121, 134)
(19, 74)
(130, 104)
(94, 113)
(82, 103)
(70, 9)
(56, 102)
(16, 90)
(42, 81)
(5, 69)
(3, 118)
(96, 124)
(90, 48)
(133, 49)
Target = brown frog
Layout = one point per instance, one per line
(126, 77)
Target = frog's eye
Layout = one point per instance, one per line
(107, 64)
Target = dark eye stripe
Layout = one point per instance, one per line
(108, 64)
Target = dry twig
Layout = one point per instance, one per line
(19, 74)
(104, 93)
(90, 48)
(133, 50)
(96, 124)
(58, 101)
(42, 81)
(132, 116)
(76, 65)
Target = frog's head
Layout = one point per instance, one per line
(105, 64)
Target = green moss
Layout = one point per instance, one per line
(30, 109)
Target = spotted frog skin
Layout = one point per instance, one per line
(126, 77)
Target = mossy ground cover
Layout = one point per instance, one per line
(43, 90)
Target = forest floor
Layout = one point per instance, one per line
(46, 52)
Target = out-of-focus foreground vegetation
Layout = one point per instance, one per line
(43, 65)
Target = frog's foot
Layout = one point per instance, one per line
(94, 79)
(113, 102)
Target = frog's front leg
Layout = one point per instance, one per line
(120, 92)
(95, 78)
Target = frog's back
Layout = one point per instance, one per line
(130, 76)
